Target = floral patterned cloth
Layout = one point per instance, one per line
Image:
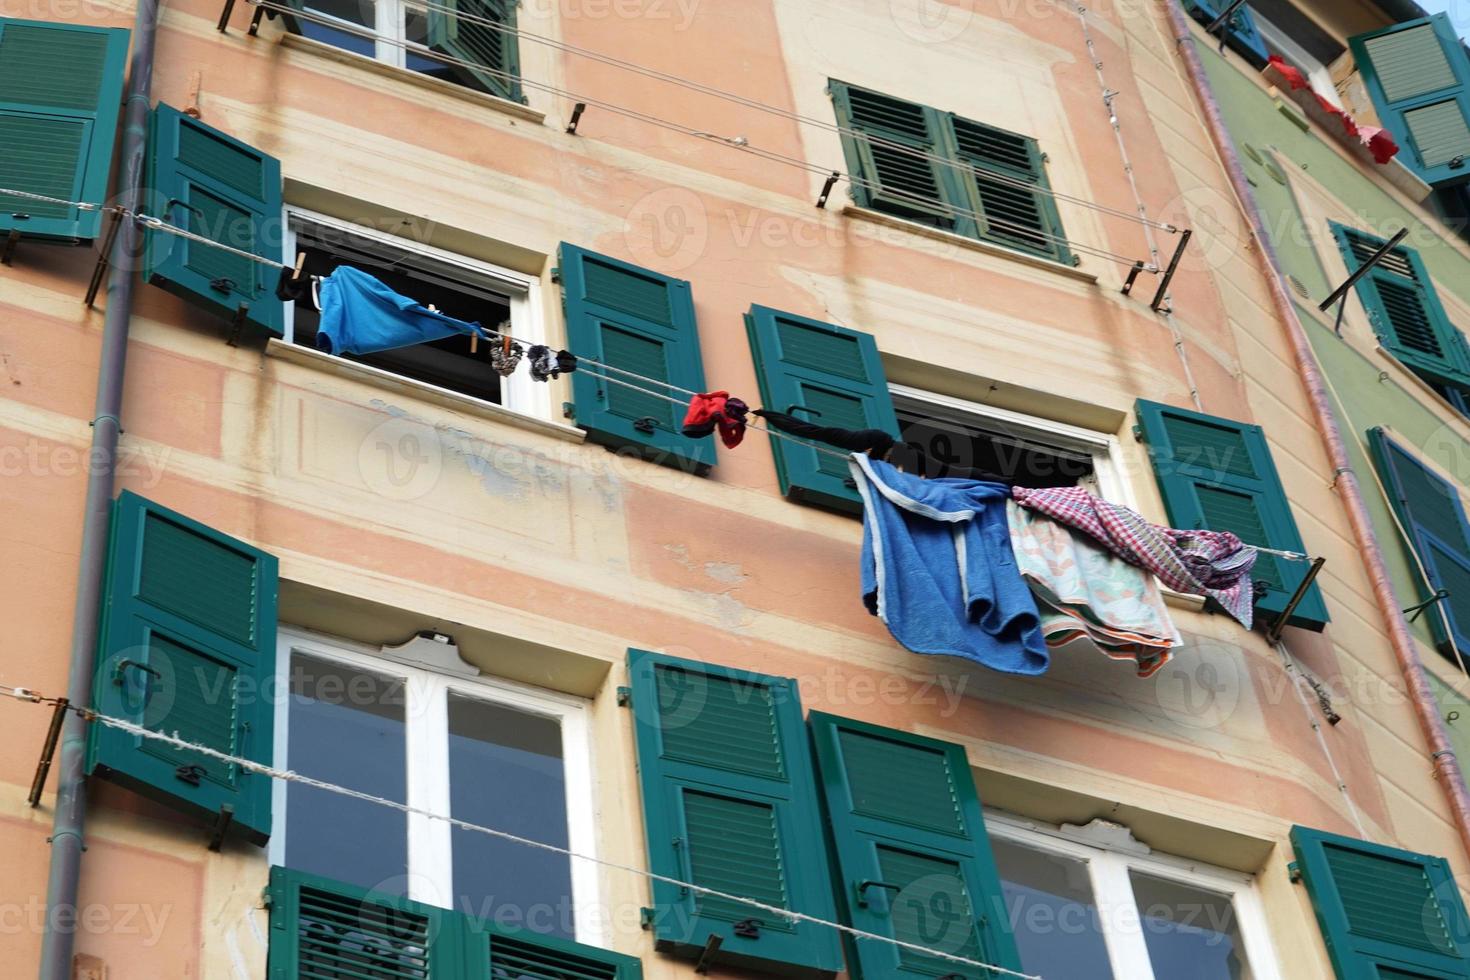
(1082, 590)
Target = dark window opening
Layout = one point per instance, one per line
(448, 363)
(954, 446)
(1289, 19)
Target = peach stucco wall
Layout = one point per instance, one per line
(553, 557)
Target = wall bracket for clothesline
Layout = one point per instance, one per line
(224, 16)
(7, 252)
(577, 111)
(1273, 632)
(237, 324)
(707, 955)
(1414, 612)
(99, 271)
(222, 821)
(827, 189)
(1341, 292)
(1158, 301)
(48, 752)
(1133, 274)
(255, 20)
(1220, 23)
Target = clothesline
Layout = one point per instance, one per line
(736, 142)
(291, 776)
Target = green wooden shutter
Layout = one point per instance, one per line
(324, 928)
(480, 44)
(1217, 474)
(1405, 309)
(913, 860)
(1385, 914)
(730, 804)
(1429, 507)
(836, 376)
(215, 186)
(1011, 215)
(187, 647)
(60, 95)
(887, 143)
(1419, 77)
(1241, 33)
(508, 954)
(642, 322)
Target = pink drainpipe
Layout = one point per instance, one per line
(1426, 709)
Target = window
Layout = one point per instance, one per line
(1430, 509)
(489, 752)
(943, 170)
(1295, 40)
(1240, 30)
(834, 376)
(1406, 313)
(1418, 74)
(468, 42)
(1218, 474)
(63, 86)
(459, 287)
(1081, 909)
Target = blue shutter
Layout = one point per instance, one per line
(730, 804)
(1385, 914)
(1218, 474)
(832, 376)
(60, 94)
(187, 647)
(642, 322)
(215, 186)
(1241, 32)
(1429, 508)
(1419, 77)
(1405, 309)
(913, 859)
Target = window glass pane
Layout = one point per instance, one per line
(359, 13)
(993, 449)
(1053, 914)
(1190, 932)
(506, 772)
(346, 726)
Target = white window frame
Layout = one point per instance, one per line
(1106, 450)
(1317, 73)
(1108, 870)
(520, 392)
(426, 733)
(390, 36)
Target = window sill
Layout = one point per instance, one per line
(377, 377)
(1404, 377)
(295, 42)
(973, 244)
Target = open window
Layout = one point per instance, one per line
(457, 286)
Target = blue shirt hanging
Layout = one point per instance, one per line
(361, 315)
(939, 571)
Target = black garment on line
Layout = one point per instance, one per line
(874, 442)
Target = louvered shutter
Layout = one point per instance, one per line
(1241, 32)
(1430, 509)
(457, 28)
(216, 186)
(1385, 914)
(730, 804)
(187, 647)
(1405, 309)
(1003, 168)
(1218, 474)
(889, 145)
(829, 375)
(324, 928)
(1419, 77)
(913, 860)
(643, 323)
(507, 954)
(60, 95)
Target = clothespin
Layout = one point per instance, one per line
(290, 287)
(505, 343)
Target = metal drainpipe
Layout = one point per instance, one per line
(71, 792)
(1426, 709)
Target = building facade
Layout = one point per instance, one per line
(634, 667)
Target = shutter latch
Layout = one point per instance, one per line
(748, 928)
(191, 774)
(1458, 163)
(646, 425)
(223, 284)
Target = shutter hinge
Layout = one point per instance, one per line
(568, 410)
(645, 918)
(1138, 434)
(625, 697)
(556, 278)
(1294, 872)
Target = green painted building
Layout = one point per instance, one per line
(1304, 86)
